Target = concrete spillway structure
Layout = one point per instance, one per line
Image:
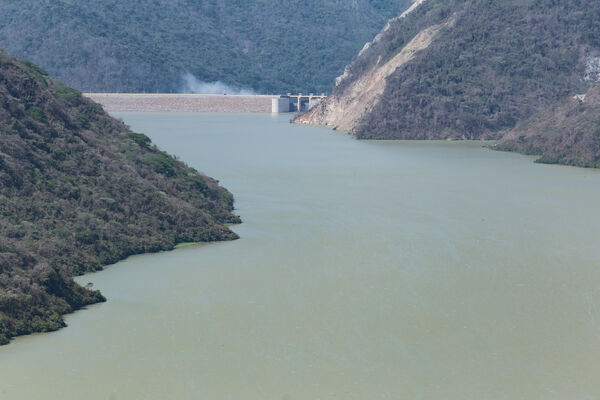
(215, 103)
(280, 105)
(297, 103)
(305, 102)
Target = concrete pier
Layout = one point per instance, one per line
(280, 105)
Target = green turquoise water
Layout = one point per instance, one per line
(365, 270)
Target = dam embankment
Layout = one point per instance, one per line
(183, 102)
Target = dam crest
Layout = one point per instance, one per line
(213, 103)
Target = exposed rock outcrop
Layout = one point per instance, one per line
(346, 107)
(464, 69)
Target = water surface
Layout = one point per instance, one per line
(365, 270)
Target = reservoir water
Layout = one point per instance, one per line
(365, 270)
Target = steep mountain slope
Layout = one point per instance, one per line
(79, 190)
(568, 132)
(149, 45)
(465, 69)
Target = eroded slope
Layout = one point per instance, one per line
(484, 66)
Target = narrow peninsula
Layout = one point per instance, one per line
(79, 190)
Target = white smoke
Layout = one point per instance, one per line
(192, 85)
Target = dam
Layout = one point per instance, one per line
(213, 103)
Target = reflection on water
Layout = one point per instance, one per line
(365, 270)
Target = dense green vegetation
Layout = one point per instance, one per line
(79, 190)
(147, 45)
(500, 62)
(568, 132)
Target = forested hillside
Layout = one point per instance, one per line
(466, 69)
(149, 45)
(79, 190)
(567, 132)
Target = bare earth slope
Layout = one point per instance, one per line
(465, 69)
(345, 109)
(79, 190)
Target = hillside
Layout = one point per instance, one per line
(79, 190)
(151, 45)
(465, 69)
(568, 132)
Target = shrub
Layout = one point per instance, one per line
(141, 139)
(88, 237)
(36, 71)
(67, 94)
(163, 164)
(83, 121)
(36, 113)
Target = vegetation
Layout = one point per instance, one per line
(568, 132)
(79, 190)
(147, 45)
(499, 63)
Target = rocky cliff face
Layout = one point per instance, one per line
(464, 69)
(354, 100)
